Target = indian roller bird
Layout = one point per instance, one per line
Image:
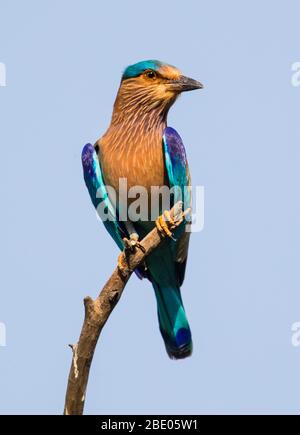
(139, 146)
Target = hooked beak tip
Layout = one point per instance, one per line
(184, 84)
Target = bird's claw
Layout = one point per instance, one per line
(163, 227)
(130, 245)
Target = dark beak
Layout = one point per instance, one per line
(184, 84)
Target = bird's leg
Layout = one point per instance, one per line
(163, 227)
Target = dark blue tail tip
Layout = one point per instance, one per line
(182, 347)
(183, 337)
(180, 352)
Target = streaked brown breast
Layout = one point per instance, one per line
(139, 159)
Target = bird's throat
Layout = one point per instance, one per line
(136, 123)
(132, 145)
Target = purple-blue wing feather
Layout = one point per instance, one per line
(95, 184)
(178, 174)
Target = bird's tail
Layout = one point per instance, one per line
(173, 322)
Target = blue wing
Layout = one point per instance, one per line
(176, 165)
(178, 174)
(94, 181)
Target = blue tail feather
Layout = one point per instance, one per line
(173, 322)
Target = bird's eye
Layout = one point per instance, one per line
(151, 75)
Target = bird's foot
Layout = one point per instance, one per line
(165, 223)
(130, 245)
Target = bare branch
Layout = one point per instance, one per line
(97, 312)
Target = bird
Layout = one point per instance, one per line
(142, 149)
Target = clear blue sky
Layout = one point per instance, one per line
(242, 290)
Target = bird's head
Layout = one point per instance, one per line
(153, 84)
